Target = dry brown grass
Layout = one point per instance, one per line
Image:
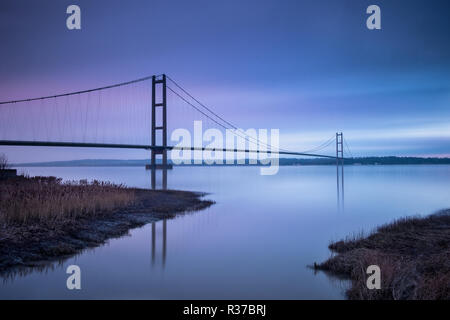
(47, 199)
(42, 218)
(412, 253)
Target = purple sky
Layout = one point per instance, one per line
(309, 68)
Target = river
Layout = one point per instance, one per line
(254, 243)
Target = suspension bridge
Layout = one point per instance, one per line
(119, 116)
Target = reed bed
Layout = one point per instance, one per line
(26, 200)
(412, 253)
(43, 218)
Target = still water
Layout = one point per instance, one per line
(254, 243)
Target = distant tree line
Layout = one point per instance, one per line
(367, 161)
(283, 162)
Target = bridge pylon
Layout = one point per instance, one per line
(159, 101)
(339, 148)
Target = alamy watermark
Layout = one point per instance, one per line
(373, 22)
(212, 147)
(374, 279)
(74, 280)
(73, 22)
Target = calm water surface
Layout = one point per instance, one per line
(254, 243)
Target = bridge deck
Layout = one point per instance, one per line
(144, 147)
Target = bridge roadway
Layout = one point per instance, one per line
(144, 147)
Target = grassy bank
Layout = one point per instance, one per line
(43, 218)
(28, 200)
(412, 253)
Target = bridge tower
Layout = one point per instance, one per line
(340, 175)
(339, 148)
(159, 101)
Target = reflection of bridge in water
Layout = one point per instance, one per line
(184, 228)
(340, 187)
(163, 243)
(159, 235)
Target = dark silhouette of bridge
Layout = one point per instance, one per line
(159, 89)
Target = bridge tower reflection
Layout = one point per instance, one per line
(340, 186)
(164, 242)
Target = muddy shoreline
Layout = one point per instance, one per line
(413, 255)
(33, 244)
